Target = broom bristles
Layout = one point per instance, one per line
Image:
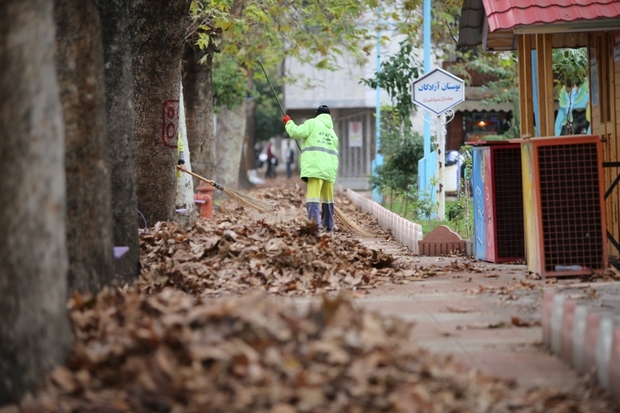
(248, 201)
(245, 200)
(350, 225)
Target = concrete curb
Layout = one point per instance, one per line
(404, 231)
(581, 325)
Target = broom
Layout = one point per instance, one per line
(345, 222)
(350, 225)
(257, 204)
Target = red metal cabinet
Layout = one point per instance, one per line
(563, 197)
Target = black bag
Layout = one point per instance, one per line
(567, 128)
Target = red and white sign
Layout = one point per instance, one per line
(170, 123)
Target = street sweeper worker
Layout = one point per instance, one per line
(318, 164)
(180, 157)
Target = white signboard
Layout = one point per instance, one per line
(355, 134)
(438, 91)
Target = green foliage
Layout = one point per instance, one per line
(207, 21)
(445, 15)
(455, 211)
(401, 149)
(424, 203)
(271, 30)
(316, 32)
(460, 212)
(267, 114)
(229, 82)
(570, 66)
(396, 76)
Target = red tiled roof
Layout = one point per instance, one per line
(504, 14)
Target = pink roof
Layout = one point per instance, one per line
(504, 14)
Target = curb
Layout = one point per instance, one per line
(406, 232)
(581, 325)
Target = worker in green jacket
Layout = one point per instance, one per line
(318, 164)
(180, 157)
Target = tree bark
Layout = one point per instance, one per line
(198, 98)
(79, 66)
(185, 185)
(116, 35)
(157, 50)
(247, 152)
(34, 327)
(229, 142)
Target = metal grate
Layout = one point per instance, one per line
(508, 192)
(570, 206)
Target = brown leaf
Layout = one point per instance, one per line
(63, 378)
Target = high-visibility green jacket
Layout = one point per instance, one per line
(180, 154)
(319, 147)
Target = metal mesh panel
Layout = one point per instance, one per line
(508, 204)
(570, 206)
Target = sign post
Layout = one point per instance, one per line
(438, 92)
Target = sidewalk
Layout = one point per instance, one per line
(495, 319)
(470, 316)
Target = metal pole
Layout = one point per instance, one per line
(377, 196)
(426, 168)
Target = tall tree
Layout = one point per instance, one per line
(230, 87)
(116, 35)
(184, 199)
(79, 64)
(229, 136)
(157, 47)
(198, 101)
(34, 328)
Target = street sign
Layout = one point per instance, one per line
(438, 91)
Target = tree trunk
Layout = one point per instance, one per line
(247, 152)
(79, 65)
(116, 35)
(229, 142)
(34, 327)
(198, 98)
(184, 202)
(157, 50)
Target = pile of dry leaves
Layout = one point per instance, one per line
(226, 255)
(203, 330)
(172, 352)
(280, 253)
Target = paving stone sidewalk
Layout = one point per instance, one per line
(502, 322)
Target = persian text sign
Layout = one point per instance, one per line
(438, 91)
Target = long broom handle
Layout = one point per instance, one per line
(272, 89)
(275, 95)
(195, 175)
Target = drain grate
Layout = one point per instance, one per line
(571, 210)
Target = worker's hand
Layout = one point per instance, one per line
(285, 119)
(182, 167)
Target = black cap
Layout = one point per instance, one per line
(322, 109)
